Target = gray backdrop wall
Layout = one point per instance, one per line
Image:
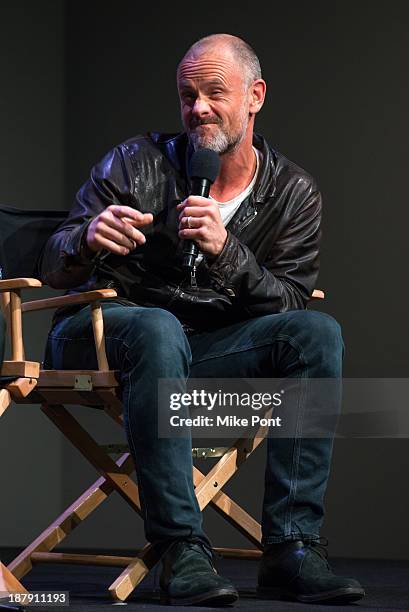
(79, 77)
(31, 176)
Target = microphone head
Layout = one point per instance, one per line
(204, 164)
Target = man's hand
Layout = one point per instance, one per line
(115, 230)
(200, 220)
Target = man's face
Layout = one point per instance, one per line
(214, 101)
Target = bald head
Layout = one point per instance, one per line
(242, 54)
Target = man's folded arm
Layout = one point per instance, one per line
(287, 278)
(66, 261)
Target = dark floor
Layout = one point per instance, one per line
(386, 584)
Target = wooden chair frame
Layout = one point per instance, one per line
(52, 389)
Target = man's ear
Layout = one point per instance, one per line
(257, 95)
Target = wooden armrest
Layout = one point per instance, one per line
(317, 294)
(86, 297)
(19, 283)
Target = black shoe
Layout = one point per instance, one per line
(189, 576)
(300, 571)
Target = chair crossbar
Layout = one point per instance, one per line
(66, 522)
(70, 378)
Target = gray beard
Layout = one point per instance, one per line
(220, 142)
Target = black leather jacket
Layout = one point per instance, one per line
(269, 263)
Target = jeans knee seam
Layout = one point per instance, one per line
(243, 349)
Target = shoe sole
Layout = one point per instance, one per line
(344, 595)
(220, 597)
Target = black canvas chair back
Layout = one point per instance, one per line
(23, 233)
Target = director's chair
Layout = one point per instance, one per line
(22, 236)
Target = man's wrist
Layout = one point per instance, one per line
(84, 251)
(211, 258)
(214, 256)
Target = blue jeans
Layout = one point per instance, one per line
(145, 344)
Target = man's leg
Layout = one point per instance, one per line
(146, 344)
(295, 344)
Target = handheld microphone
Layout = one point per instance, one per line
(203, 171)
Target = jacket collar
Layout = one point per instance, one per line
(178, 150)
(266, 181)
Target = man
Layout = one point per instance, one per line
(258, 234)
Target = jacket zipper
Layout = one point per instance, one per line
(247, 221)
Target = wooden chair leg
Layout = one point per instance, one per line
(231, 461)
(9, 583)
(98, 329)
(16, 326)
(208, 487)
(87, 446)
(5, 306)
(133, 575)
(73, 516)
(5, 401)
(233, 513)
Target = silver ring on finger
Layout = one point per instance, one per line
(188, 223)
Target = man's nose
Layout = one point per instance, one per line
(201, 107)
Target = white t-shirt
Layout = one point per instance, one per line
(228, 209)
